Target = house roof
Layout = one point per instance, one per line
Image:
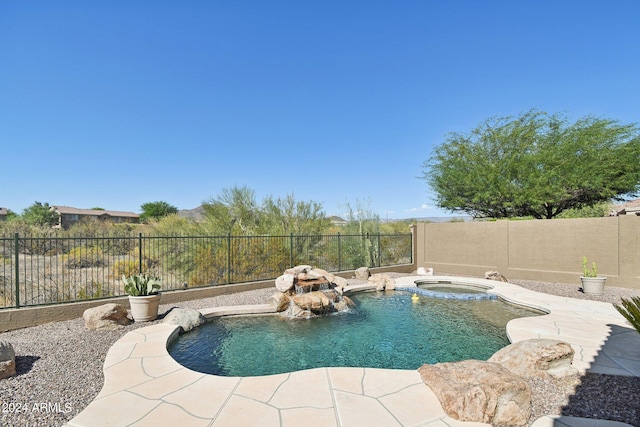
(94, 212)
(630, 207)
(3, 211)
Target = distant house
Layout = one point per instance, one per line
(337, 221)
(3, 214)
(631, 207)
(70, 216)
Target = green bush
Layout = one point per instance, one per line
(125, 267)
(82, 257)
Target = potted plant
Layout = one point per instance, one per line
(144, 296)
(592, 283)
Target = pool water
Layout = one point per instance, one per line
(384, 330)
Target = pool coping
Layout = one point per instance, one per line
(144, 385)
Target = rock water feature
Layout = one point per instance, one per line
(306, 292)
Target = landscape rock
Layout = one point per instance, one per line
(495, 275)
(311, 285)
(285, 282)
(383, 282)
(362, 273)
(542, 358)
(7, 360)
(341, 283)
(315, 273)
(107, 317)
(280, 301)
(307, 291)
(316, 302)
(472, 390)
(298, 269)
(186, 318)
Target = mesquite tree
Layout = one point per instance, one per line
(535, 165)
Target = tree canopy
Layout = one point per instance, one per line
(156, 210)
(40, 214)
(537, 165)
(237, 211)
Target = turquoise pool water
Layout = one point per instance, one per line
(384, 330)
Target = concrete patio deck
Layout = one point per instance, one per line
(145, 386)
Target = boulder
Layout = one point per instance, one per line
(540, 358)
(107, 317)
(340, 284)
(343, 304)
(285, 282)
(362, 273)
(311, 285)
(383, 282)
(472, 390)
(186, 318)
(315, 273)
(280, 301)
(495, 275)
(7, 360)
(298, 269)
(316, 302)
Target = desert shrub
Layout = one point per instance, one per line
(125, 267)
(84, 257)
(94, 290)
(206, 271)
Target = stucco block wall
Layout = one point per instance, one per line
(548, 250)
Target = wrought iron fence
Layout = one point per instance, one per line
(50, 270)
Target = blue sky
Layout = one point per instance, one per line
(118, 103)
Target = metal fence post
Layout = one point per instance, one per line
(228, 258)
(16, 242)
(140, 253)
(339, 253)
(291, 251)
(379, 252)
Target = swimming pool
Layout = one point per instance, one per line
(384, 330)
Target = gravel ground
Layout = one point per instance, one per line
(59, 369)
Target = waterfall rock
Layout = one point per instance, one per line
(313, 291)
(341, 283)
(298, 269)
(7, 360)
(472, 390)
(311, 285)
(316, 302)
(280, 301)
(285, 282)
(106, 317)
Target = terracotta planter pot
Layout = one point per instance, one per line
(593, 285)
(144, 309)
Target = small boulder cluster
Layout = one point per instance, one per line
(497, 391)
(7, 360)
(306, 291)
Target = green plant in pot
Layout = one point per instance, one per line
(144, 296)
(592, 283)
